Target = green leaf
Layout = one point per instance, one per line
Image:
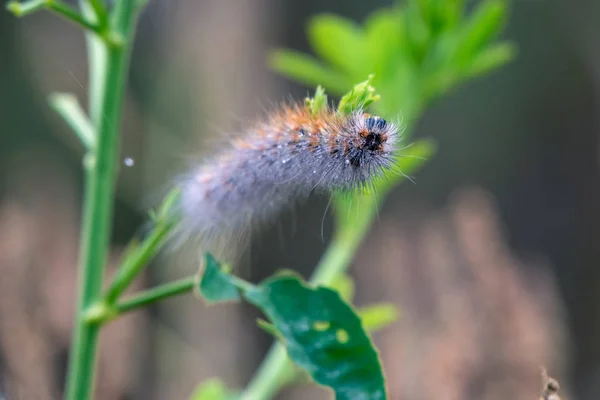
(492, 58)
(217, 285)
(213, 389)
(447, 14)
(323, 335)
(308, 70)
(338, 41)
(417, 30)
(378, 316)
(318, 103)
(483, 25)
(360, 97)
(439, 71)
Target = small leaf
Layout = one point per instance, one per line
(213, 389)
(377, 316)
(323, 335)
(492, 58)
(360, 97)
(318, 103)
(216, 284)
(338, 41)
(308, 70)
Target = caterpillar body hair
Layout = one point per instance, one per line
(278, 161)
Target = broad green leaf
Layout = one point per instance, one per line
(216, 284)
(492, 58)
(339, 41)
(309, 70)
(213, 389)
(323, 335)
(378, 316)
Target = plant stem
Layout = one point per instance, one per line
(156, 294)
(100, 165)
(67, 106)
(134, 264)
(275, 372)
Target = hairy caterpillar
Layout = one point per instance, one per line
(284, 158)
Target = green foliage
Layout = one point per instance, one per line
(322, 335)
(318, 103)
(417, 51)
(360, 97)
(321, 332)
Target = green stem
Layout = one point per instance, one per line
(100, 166)
(99, 11)
(67, 106)
(156, 294)
(275, 372)
(133, 265)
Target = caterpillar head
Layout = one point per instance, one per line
(374, 140)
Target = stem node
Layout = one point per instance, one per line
(99, 313)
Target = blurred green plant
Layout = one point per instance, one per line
(413, 53)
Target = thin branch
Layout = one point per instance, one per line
(67, 106)
(156, 294)
(21, 9)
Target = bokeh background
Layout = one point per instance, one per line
(492, 256)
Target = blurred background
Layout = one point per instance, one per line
(492, 256)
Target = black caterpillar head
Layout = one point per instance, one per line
(374, 138)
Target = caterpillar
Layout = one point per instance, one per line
(286, 157)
